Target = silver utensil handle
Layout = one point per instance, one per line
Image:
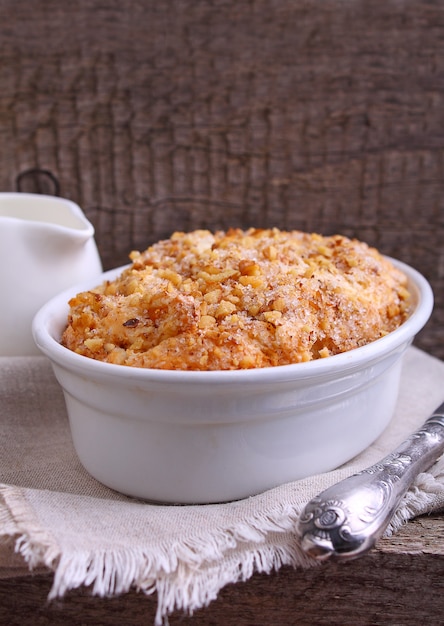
(347, 519)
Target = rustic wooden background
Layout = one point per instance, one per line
(177, 114)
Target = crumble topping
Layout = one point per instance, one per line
(239, 299)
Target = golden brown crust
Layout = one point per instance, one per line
(240, 299)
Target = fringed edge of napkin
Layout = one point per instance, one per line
(34, 544)
(425, 496)
(182, 574)
(262, 544)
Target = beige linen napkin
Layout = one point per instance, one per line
(53, 514)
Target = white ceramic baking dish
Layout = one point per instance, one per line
(201, 437)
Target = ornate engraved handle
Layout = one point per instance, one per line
(347, 519)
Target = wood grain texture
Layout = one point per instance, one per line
(157, 116)
(396, 586)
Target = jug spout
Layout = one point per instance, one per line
(54, 231)
(46, 245)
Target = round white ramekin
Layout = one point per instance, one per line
(202, 437)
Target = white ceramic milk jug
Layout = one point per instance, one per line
(46, 246)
